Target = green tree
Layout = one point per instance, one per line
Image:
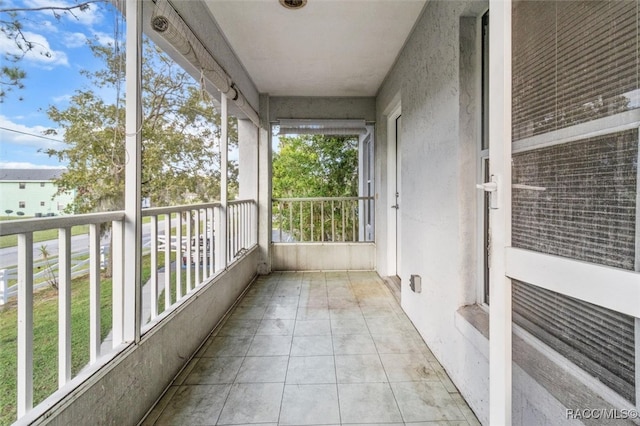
(316, 166)
(180, 134)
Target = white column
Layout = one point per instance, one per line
(264, 187)
(248, 159)
(500, 162)
(133, 175)
(224, 176)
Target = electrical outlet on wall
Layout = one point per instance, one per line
(415, 282)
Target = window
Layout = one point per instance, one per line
(22, 185)
(575, 161)
(41, 203)
(21, 204)
(42, 184)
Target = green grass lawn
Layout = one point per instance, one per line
(40, 236)
(45, 339)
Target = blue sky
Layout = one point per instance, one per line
(51, 80)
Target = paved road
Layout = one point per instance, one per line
(9, 255)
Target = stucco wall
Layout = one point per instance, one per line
(438, 195)
(323, 257)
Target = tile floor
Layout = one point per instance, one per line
(312, 348)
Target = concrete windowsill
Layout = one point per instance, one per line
(571, 386)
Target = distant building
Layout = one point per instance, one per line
(32, 192)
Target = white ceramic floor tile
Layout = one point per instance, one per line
(311, 345)
(270, 346)
(359, 369)
(214, 371)
(310, 405)
(425, 401)
(263, 369)
(312, 328)
(367, 403)
(252, 403)
(407, 368)
(353, 344)
(194, 405)
(311, 370)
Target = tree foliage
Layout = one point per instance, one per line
(180, 135)
(12, 76)
(316, 166)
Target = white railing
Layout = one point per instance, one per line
(323, 219)
(242, 218)
(24, 229)
(182, 255)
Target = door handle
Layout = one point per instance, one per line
(395, 206)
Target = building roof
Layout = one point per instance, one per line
(41, 175)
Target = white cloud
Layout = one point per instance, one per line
(41, 54)
(61, 99)
(87, 17)
(104, 39)
(22, 135)
(24, 165)
(72, 40)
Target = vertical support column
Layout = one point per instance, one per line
(248, 160)
(133, 175)
(500, 342)
(25, 323)
(94, 292)
(264, 187)
(224, 176)
(64, 306)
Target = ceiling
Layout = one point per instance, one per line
(327, 48)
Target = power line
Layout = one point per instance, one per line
(30, 134)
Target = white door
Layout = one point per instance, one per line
(394, 167)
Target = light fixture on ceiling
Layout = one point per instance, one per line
(293, 4)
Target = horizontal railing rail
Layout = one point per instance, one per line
(323, 219)
(180, 252)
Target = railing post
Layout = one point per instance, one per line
(3, 286)
(25, 323)
(64, 306)
(153, 279)
(116, 281)
(219, 241)
(94, 292)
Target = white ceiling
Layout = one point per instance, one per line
(327, 48)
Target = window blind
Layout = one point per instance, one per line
(586, 212)
(573, 61)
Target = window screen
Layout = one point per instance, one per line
(576, 62)
(573, 61)
(586, 212)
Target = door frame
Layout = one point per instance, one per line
(393, 220)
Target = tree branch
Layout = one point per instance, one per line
(82, 6)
